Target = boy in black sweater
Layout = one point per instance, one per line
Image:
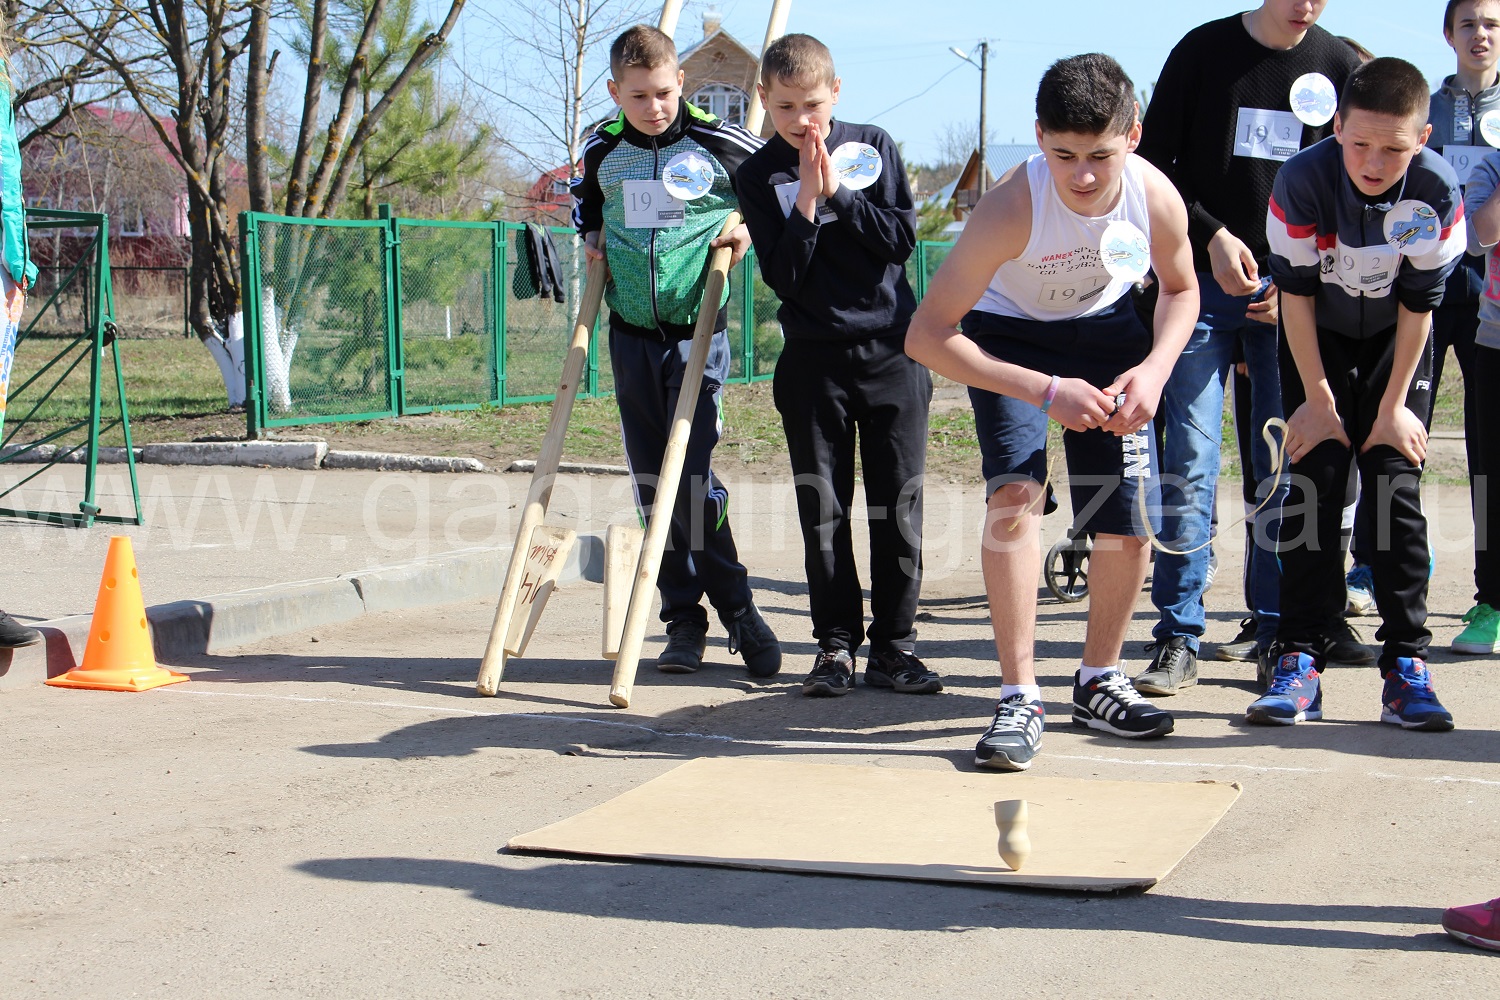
(1236, 98)
(831, 216)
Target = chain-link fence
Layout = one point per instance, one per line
(318, 321)
(447, 314)
(350, 320)
(151, 301)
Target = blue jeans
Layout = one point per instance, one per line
(1191, 414)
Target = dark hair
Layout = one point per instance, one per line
(797, 60)
(1448, 16)
(1386, 86)
(1365, 55)
(1087, 95)
(641, 46)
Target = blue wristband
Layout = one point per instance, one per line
(1051, 394)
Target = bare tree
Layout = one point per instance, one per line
(556, 84)
(175, 59)
(56, 71)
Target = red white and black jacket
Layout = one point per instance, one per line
(1329, 242)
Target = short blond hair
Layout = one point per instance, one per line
(797, 60)
(641, 47)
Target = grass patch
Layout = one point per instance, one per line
(175, 394)
(171, 381)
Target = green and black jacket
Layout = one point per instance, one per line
(657, 275)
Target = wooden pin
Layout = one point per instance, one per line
(1015, 842)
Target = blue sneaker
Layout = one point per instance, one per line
(1295, 694)
(1408, 700)
(1360, 587)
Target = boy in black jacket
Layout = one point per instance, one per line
(831, 216)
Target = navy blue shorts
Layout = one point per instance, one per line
(1105, 472)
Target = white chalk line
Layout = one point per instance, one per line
(801, 744)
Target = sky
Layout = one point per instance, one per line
(890, 51)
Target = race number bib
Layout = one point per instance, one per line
(786, 196)
(1065, 294)
(1368, 269)
(1464, 159)
(1267, 135)
(649, 206)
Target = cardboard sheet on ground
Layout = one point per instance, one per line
(1095, 836)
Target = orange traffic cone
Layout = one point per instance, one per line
(118, 656)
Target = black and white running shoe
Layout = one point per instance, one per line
(1109, 703)
(832, 675)
(1014, 737)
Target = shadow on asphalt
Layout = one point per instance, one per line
(734, 714)
(781, 722)
(694, 894)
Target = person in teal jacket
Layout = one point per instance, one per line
(15, 278)
(20, 272)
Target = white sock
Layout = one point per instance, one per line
(1086, 674)
(1032, 692)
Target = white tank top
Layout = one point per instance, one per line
(1060, 275)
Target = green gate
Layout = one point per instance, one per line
(59, 389)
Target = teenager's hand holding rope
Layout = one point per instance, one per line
(1079, 406)
(1141, 388)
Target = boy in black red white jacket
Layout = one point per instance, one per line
(1364, 230)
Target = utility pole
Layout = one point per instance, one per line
(983, 65)
(984, 73)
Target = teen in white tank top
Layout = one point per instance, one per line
(1060, 275)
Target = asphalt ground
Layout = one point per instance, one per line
(324, 813)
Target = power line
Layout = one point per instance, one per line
(913, 97)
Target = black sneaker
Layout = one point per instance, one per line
(14, 635)
(752, 639)
(686, 641)
(1265, 668)
(1175, 666)
(1014, 737)
(900, 671)
(1110, 704)
(832, 675)
(1242, 646)
(1342, 644)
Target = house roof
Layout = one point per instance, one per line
(999, 159)
(137, 127)
(683, 54)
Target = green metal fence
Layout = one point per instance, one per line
(62, 398)
(360, 319)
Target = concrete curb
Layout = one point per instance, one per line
(44, 453)
(590, 468)
(265, 454)
(308, 455)
(187, 628)
(379, 461)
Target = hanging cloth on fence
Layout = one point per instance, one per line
(538, 267)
